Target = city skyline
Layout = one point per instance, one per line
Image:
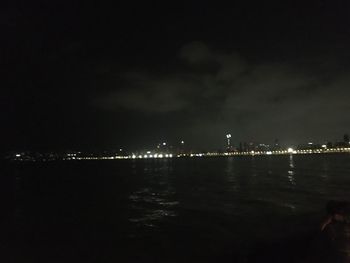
(183, 148)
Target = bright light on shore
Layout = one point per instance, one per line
(290, 150)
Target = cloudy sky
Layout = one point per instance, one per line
(99, 76)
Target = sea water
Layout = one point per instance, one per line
(168, 210)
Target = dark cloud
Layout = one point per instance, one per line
(146, 93)
(190, 89)
(254, 101)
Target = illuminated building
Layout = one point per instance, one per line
(228, 137)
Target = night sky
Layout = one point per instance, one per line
(89, 76)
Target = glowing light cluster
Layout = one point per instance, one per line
(149, 155)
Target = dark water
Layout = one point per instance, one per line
(244, 209)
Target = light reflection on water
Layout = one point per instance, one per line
(151, 205)
(249, 189)
(291, 177)
(190, 201)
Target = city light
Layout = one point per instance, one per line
(248, 150)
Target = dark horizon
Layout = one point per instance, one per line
(100, 76)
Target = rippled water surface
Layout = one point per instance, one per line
(166, 210)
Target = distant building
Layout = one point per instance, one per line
(228, 146)
(245, 147)
(276, 146)
(341, 144)
(262, 147)
(329, 145)
(309, 146)
(240, 147)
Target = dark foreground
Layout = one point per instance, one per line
(199, 210)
